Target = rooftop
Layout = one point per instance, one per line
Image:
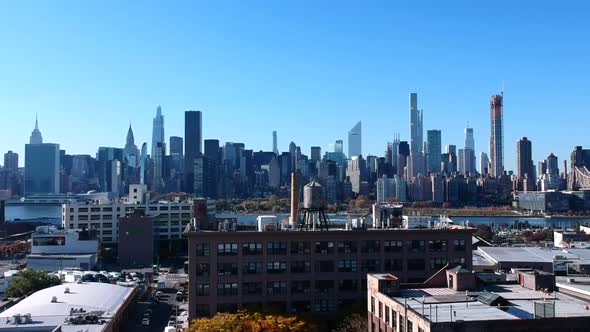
(446, 305)
(524, 254)
(91, 297)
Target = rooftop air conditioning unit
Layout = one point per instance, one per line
(53, 299)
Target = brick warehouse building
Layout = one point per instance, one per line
(310, 271)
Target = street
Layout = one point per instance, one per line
(161, 313)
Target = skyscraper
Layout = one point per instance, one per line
(524, 156)
(469, 152)
(275, 147)
(131, 153)
(355, 141)
(193, 136)
(143, 163)
(158, 150)
(433, 150)
(469, 141)
(497, 135)
(316, 153)
(11, 161)
(484, 163)
(552, 165)
(176, 146)
(416, 129)
(41, 165)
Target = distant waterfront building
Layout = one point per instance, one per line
(497, 135)
(355, 171)
(433, 151)
(193, 137)
(11, 161)
(524, 156)
(395, 187)
(355, 141)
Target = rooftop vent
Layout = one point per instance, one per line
(54, 299)
(19, 319)
(67, 290)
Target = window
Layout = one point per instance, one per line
(202, 289)
(95, 209)
(347, 247)
(81, 210)
(107, 232)
(372, 304)
(95, 217)
(347, 265)
(437, 246)
(401, 323)
(324, 266)
(380, 311)
(252, 288)
(203, 270)
(394, 319)
(186, 207)
(416, 246)
(437, 263)
(370, 246)
(301, 267)
(324, 286)
(461, 260)
(410, 326)
(348, 285)
(393, 265)
(227, 288)
(227, 249)
(386, 315)
(371, 265)
(459, 245)
(324, 247)
(299, 248)
(202, 249)
(276, 248)
(95, 225)
(227, 269)
(324, 306)
(276, 287)
(251, 249)
(107, 217)
(393, 246)
(83, 225)
(276, 267)
(83, 217)
(416, 265)
(202, 310)
(107, 239)
(163, 208)
(300, 286)
(107, 225)
(252, 268)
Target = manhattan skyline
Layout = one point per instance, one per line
(301, 69)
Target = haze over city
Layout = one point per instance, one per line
(309, 71)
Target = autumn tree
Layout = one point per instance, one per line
(244, 321)
(353, 323)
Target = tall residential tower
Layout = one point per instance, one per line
(496, 135)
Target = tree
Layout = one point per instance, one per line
(353, 323)
(484, 232)
(244, 321)
(29, 281)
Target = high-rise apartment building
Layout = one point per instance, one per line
(433, 151)
(316, 153)
(355, 141)
(497, 135)
(524, 156)
(193, 136)
(416, 129)
(552, 165)
(11, 161)
(484, 163)
(275, 147)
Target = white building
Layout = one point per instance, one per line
(89, 307)
(53, 249)
(170, 218)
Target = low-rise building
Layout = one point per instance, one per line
(393, 306)
(54, 249)
(72, 307)
(310, 271)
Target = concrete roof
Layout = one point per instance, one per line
(88, 296)
(523, 254)
(454, 305)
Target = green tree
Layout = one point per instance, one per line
(29, 281)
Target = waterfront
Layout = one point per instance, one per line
(52, 214)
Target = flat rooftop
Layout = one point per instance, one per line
(47, 315)
(446, 305)
(524, 254)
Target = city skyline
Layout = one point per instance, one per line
(289, 76)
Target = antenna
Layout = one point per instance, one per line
(502, 90)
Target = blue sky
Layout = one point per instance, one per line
(308, 69)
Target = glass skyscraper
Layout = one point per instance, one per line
(193, 137)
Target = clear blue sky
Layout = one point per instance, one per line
(309, 69)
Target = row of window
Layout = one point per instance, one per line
(318, 305)
(330, 247)
(328, 266)
(131, 209)
(279, 287)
